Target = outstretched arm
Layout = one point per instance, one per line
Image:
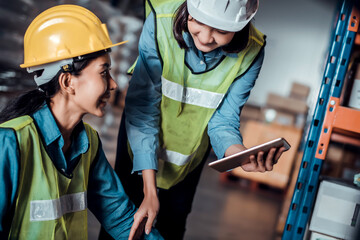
(109, 202)
(142, 111)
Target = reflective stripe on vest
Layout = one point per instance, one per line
(175, 157)
(44, 210)
(198, 97)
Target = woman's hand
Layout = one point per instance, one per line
(261, 162)
(149, 207)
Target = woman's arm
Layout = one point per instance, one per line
(223, 127)
(9, 172)
(142, 111)
(143, 98)
(109, 202)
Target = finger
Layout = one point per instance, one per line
(253, 161)
(269, 162)
(279, 152)
(251, 165)
(149, 223)
(260, 161)
(134, 227)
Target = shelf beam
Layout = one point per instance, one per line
(337, 117)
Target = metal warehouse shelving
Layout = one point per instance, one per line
(330, 120)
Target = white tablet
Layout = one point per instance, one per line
(240, 158)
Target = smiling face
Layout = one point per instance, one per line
(93, 86)
(207, 38)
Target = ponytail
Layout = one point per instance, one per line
(31, 101)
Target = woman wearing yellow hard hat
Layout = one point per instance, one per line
(52, 164)
(198, 61)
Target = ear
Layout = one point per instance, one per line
(66, 84)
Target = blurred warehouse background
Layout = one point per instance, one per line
(227, 206)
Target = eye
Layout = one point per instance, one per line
(105, 73)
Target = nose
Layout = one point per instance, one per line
(205, 36)
(112, 84)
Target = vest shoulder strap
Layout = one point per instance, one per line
(17, 123)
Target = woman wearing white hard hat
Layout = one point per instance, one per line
(198, 61)
(52, 165)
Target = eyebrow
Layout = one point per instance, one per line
(105, 65)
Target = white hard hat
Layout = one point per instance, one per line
(227, 15)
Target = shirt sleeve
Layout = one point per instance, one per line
(9, 172)
(142, 108)
(109, 202)
(224, 125)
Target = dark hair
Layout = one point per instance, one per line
(31, 101)
(238, 43)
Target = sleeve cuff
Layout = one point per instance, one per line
(143, 162)
(220, 145)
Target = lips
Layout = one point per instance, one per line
(104, 99)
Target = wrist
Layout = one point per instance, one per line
(149, 182)
(235, 148)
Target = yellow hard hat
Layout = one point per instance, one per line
(62, 32)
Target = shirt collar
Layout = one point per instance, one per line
(218, 51)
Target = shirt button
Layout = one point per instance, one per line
(201, 62)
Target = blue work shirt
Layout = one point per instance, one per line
(143, 98)
(105, 195)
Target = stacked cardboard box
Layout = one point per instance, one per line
(288, 110)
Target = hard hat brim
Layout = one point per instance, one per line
(44, 61)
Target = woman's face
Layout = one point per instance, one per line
(93, 86)
(207, 38)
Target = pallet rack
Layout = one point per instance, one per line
(329, 117)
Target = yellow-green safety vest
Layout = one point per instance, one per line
(49, 205)
(190, 99)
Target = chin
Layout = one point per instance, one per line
(99, 113)
(204, 49)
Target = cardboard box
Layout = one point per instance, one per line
(299, 91)
(250, 112)
(286, 104)
(257, 133)
(337, 210)
(271, 115)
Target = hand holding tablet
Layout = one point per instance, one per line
(243, 157)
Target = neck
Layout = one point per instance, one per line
(66, 118)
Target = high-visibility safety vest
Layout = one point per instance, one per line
(49, 205)
(190, 99)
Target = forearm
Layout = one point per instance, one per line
(108, 200)
(149, 181)
(224, 126)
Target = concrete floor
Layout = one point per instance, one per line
(221, 211)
